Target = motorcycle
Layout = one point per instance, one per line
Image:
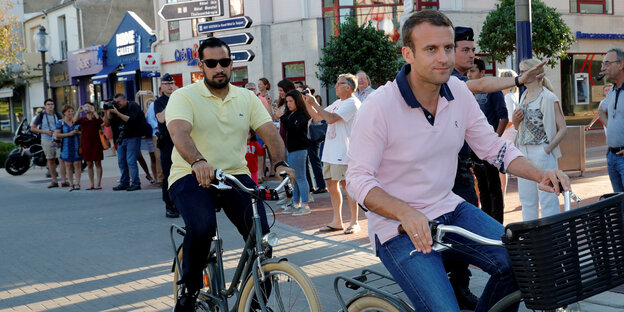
(28, 153)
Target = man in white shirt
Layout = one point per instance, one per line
(339, 117)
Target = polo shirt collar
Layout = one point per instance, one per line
(206, 92)
(408, 95)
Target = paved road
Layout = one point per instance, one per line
(110, 251)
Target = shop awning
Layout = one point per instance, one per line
(102, 76)
(128, 72)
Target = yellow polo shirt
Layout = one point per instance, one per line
(220, 127)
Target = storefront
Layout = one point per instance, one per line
(121, 73)
(63, 92)
(82, 65)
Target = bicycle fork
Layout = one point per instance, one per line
(258, 274)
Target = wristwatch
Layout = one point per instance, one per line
(517, 80)
(280, 163)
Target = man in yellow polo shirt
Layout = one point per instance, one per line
(208, 122)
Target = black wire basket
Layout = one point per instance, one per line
(568, 257)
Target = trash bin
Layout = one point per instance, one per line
(573, 150)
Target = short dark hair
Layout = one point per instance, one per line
(119, 95)
(432, 17)
(479, 63)
(48, 100)
(212, 42)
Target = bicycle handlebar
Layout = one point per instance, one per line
(439, 230)
(261, 192)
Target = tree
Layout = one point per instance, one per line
(10, 42)
(551, 37)
(359, 48)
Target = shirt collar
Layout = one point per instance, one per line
(206, 92)
(408, 95)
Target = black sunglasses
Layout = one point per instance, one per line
(212, 63)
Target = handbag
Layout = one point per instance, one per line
(103, 140)
(317, 130)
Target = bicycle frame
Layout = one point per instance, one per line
(251, 258)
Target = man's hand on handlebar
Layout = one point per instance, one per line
(416, 226)
(203, 172)
(552, 179)
(289, 171)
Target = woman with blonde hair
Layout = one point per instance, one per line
(541, 127)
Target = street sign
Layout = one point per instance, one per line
(226, 24)
(149, 61)
(243, 56)
(190, 9)
(235, 40)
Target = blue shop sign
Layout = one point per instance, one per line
(131, 37)
(582, 35)
(191, 56)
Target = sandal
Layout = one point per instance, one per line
(352, 229)
(65, 184)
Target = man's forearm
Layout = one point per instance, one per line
(186, 147)
(379, 201)
(523, 168)
(502, 125)
(490, 84)
(604, 117)
(268, 133)
(123, 117)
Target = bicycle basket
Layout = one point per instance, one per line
(568, 257)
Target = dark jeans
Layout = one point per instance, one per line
(127, 155)
(490, 192)
(317, 166)
(165, 163)
(198, 205)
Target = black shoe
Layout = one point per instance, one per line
(120, 187)
(320, 191)
(186, 302)
(133, 188)
(465, 298)
(172, 212)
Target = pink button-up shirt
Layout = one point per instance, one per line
(395, 147)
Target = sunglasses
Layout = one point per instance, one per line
(212, 63)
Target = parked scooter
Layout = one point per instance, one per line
(28, 153)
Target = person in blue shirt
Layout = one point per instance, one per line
(493, 107)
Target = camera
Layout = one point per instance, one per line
(305, 91)
(122, 133)
(110, 105)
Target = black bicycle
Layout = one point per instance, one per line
(557, 261)
(260, 283)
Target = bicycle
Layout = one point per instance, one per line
(268, 284)
(557, 261)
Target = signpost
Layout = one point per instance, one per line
(235, 40)
(191, 9)
(226, 24)
(243, 56)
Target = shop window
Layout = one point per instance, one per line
(237, 8)
(239, 76)
(196, 76)
(574, 67)
(591, 6)
(490, 65)
(174, 31)
(294, 71)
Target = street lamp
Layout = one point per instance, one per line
(42, 44)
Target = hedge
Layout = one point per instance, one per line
(5, 149)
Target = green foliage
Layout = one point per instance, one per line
(5, 148)
(551, 37)
(359, 48)
(8, 77)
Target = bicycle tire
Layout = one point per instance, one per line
(371, 303)
(507, 301)
(176, 287)
(276, 271)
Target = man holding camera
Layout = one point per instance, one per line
(128, 119)
(167, 86)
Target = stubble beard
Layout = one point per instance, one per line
(217, 85)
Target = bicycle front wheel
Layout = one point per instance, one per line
(286, 288)
(371, 303)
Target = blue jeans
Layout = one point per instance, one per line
(423, 278)
(297, 160)
(615, 165)
(127, 154)
(317, 166)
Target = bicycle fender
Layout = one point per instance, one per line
(274, 260)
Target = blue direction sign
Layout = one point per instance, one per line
(243, 56)
(235, 40)
(226, 24)
(190, 9)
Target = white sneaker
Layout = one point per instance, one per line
(303, 210)
(311, 198)
(288, 208)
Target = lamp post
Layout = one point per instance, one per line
(42, 43)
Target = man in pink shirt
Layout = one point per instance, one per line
(402, 165)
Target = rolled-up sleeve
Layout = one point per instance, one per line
(485, 143)
(367, 143)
